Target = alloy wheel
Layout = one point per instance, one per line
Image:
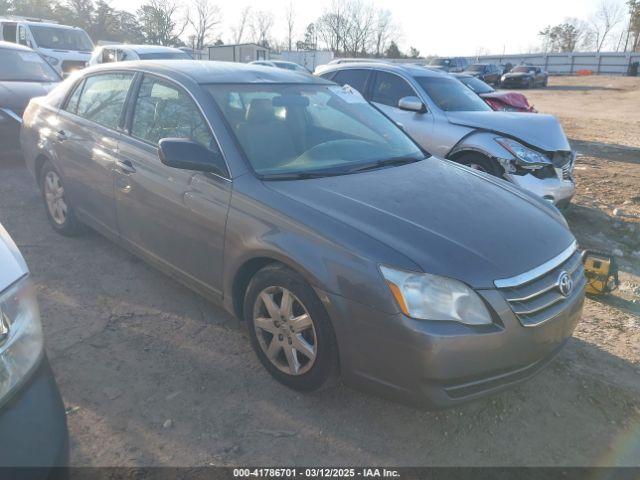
(54, 195)
(285, 330)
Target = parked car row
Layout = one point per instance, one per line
(505, 75)
(336, 216)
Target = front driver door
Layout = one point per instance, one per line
(174, 217)
(386, 91)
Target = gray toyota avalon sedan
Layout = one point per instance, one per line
(307, 213)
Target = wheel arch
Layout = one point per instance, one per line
(249, 267)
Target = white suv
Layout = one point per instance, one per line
(65, 48)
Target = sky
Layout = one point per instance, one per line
(434, 27)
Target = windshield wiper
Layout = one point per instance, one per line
(389, 162)
(298, 175)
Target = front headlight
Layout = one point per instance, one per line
(430, 297)
(525, 157)
(20, 335)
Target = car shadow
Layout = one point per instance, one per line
(607, 151)
(581, 88)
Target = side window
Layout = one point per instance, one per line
(355, 78)
(389, 89)
(72, 103)
(103, 97)
(163, 110)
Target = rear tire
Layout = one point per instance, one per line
(477, 161)
(290, 329)
(60, 213)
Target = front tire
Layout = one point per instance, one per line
(290, 330)
(59, 211)
(479, 162)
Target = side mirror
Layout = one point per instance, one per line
(186, 154)
(412, 104)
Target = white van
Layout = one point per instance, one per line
(66, 48)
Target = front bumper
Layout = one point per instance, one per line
(556, 190)
(515, 82)
(443, 364)
(33, 429)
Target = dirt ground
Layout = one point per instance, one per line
(151, 374)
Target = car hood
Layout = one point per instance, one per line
(514, 99)
(12, 264)
(537, 130)
(16, 95)
(446, 218)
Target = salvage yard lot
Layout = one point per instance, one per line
(152, 374)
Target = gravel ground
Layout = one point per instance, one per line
(152, 374)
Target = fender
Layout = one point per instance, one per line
(481, 141)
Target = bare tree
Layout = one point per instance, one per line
(239, 30)
(360, 28)
(383, 31)
(261, 25)
(332, 26)
(290, 19)
(607, 16)
(203, 17)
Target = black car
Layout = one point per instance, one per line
(487, 72)
(33, 424)
(525, 76)
(24, 74)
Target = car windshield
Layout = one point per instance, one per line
(61, 38)
(475, 68)
(164, 56)
(523, 69)
(477, 85)
(25, 66)
(300, 130)
(442, 62)
(451, 95)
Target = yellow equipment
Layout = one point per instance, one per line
(601, 271)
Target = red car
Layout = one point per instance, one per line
(501, 101)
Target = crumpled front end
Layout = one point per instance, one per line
(532, 150)
(552, 181)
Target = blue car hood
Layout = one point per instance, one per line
(535, 129)
(448, 219)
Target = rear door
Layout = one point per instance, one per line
(87, 143)
(386, 91)
(176, 218)
(354, 77)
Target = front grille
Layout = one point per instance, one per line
(539, 300)
(564, 161)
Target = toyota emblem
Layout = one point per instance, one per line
(565, 283)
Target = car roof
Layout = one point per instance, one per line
(47, 24)
(411, 70)
(207, 71)
(14, 46)
(143, 48)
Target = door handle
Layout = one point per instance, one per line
(61, 135)
(125, 166)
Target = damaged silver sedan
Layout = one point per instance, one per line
(449, 121)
